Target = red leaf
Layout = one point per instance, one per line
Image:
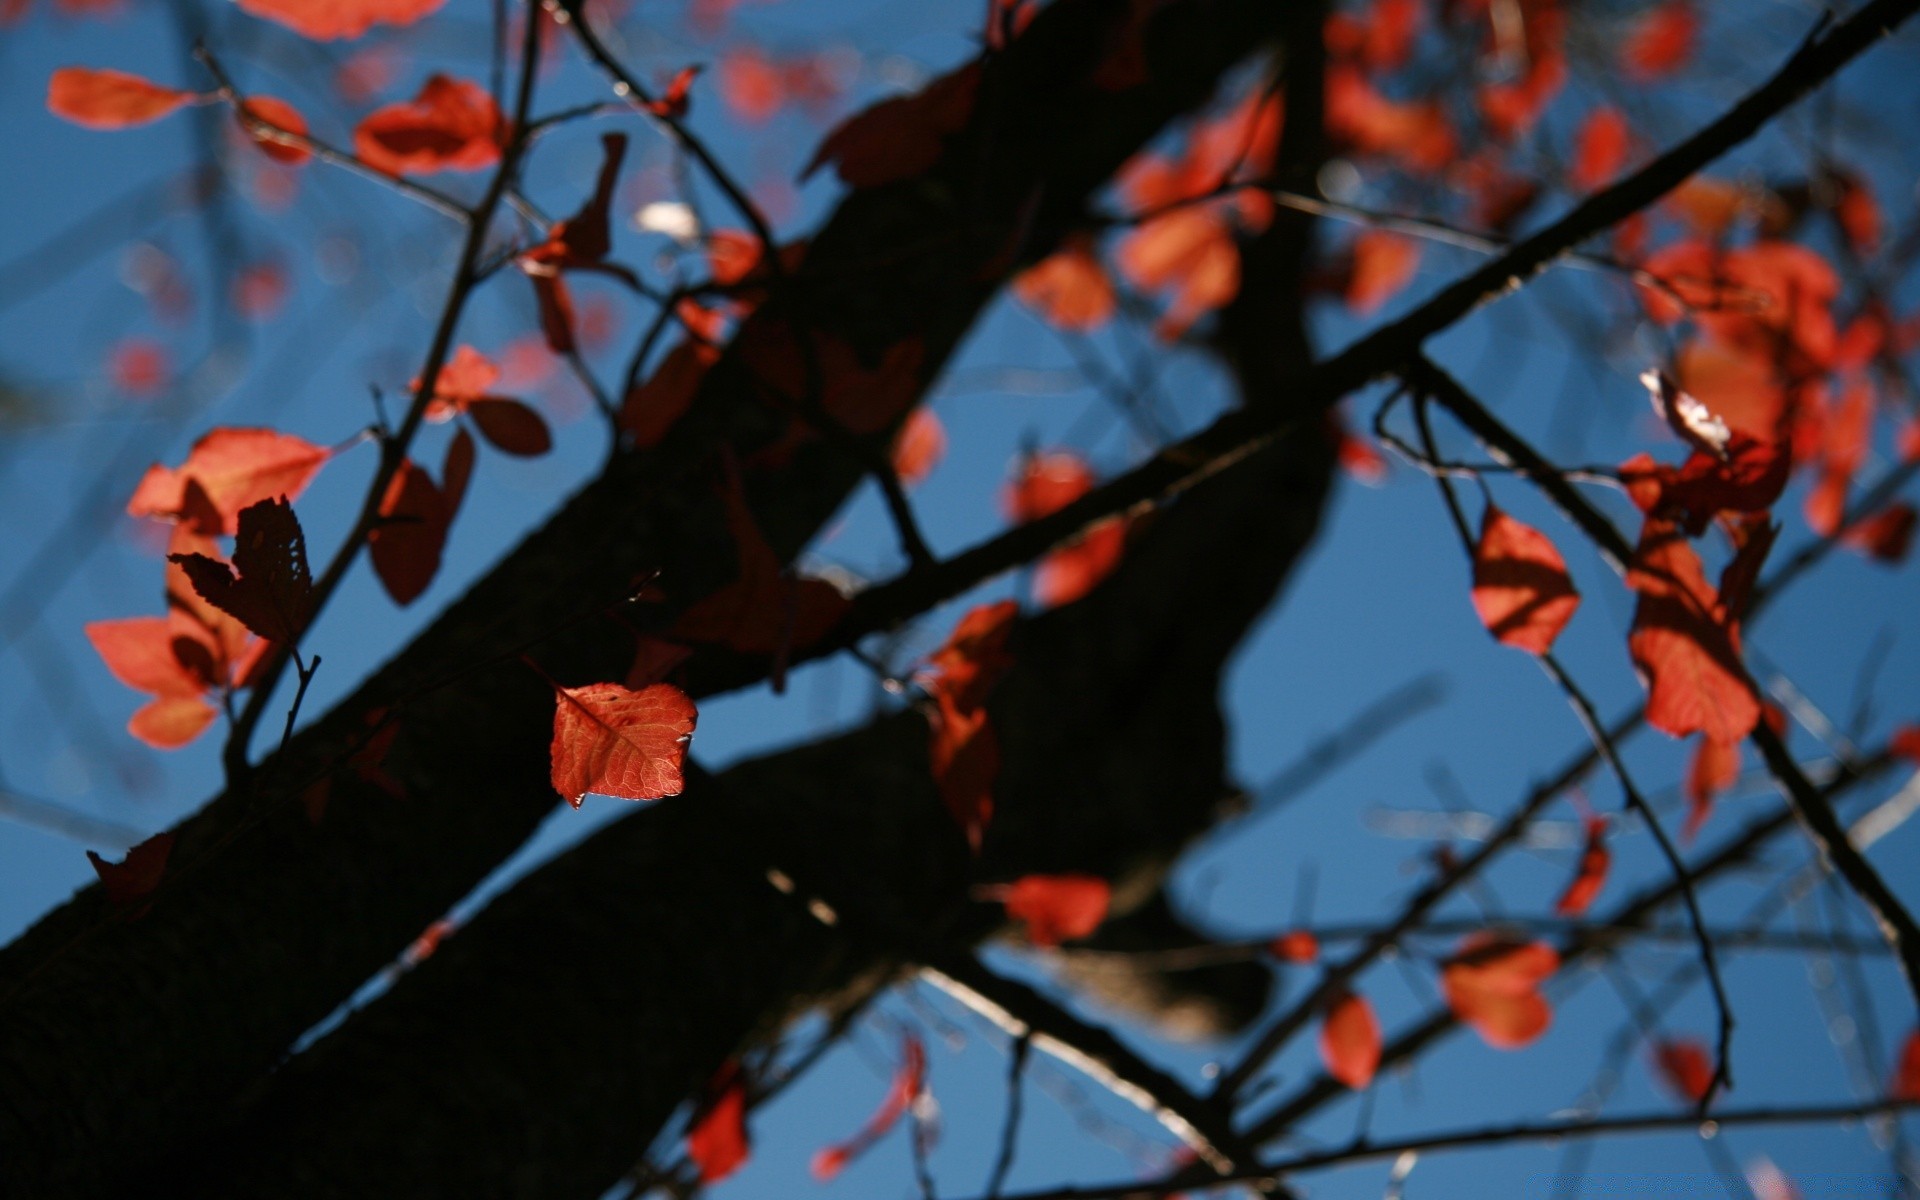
(1045, 484)
(325, 20)
(1906, 1077)
(511, 426)
(751, 85)
(1189, 252)
(616, 742)
(170, 722)
(1295, 946)
(1886, 535)
(1493, 984)
(918, 447)
(273, 593)
(286, 118)
(1350, 1040)
(230, 469)
(1599, 149)
(136, 876)
(1856, 212)
(140, 367)
(652, 408)
(1905, 742)
(1058, 908)
(140, 653)
(899, 138)
(1520, 584)
(581, 242)
(1661, 41)
(1416, 135)
(1684, 1066)
(1591, 875)
(717, 1140)
(673, 101)
(975, 656)
(452, 125)
(1685, 645)
(964, 754)
(1068, 288)
(406, 545)
(99, 98)
(1715, 768)
(1383, 265)
(909, 1081)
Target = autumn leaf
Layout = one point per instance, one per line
(975, 656)
(1590, 876)
(272, 594)
(1905, 742)
(163, 657)
(1350, 1040)
(909, 1082)
(136, 876)
(1685, 1067)
(1714, 768)
(100, 98)
(901, 137)
(407, 543)
(615, 742)
(326, 20)
(1887, 535)
(1069, 288)
(282, 116)
(653, 407)
(1492, 982)
(1521, 588)
(228, 470)
(1599, 149)
(964, 754)
(1905, 1084)
(1189, 253)
(1295, 946)
(751, 85)
(1044, 484)
(1381, 265)
(1661, 41)
(579, 243)
(1057, 908)
(511, 426)
(918, 447)
(451, 125)
(1685, 644)
(717, 1140)
(672, 101)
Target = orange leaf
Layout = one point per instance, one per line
(273, 593)
(406, 545)
(616, 742)
(1661, 41)
(452, 125)
(1520, 584)
(283, 116)
(909, 1081)
(1715, 768)
(1886, 535)
(1045, 484)
(918, 447)
(964, 754)
(1058, 908)
(1350, 1040)
(140, 653)
(229, 469)
(170, 722)
(136, 876)
(901, 137)
(1295, 946)
(975, 655)
(1189, 252)
(1591, 875)
(325, 20)
(717, 1140)
(1383, 265)
(1068, 288)
(1684, 645)
(1493, 984)
(1684, 1066)
(1599, 149)
(99, 98)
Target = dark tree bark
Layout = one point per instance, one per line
(123, 1037)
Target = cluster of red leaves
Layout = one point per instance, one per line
(613, 741)
(964, 750)
(1186, 248)
(908, 1086)
(1044, 484)
(1069, 288)
(1055, 908)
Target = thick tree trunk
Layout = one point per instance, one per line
(122, 1035)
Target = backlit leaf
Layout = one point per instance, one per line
(1591, 874)
(918, 447)
(406, 545)
(1493, 984)
(717, 1140)
(325, 20)
(1684, 645)
(272, 594)
(1068, 288)
(616, 742)
(1521, 588)
(99, 98)
(451, 125)
(1350, 1040)
(284, 117)
(1685, 1067)
(230, 469)
(1058, 908)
